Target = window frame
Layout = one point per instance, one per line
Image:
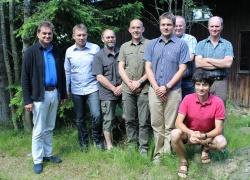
(240, 52)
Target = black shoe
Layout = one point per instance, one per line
(143, 152)
(38, 168)
(52, 159)
(84, 148)
(99, 146)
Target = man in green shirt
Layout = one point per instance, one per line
(135, 87)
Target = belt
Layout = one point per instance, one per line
(218, 78)
(50, 88)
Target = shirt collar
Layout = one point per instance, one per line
(45, 49)
(209, 39)
(140, 42)
(172, 38)
(87, 46)
(207, 102)
(107, 52)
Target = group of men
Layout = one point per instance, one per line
(149, 77)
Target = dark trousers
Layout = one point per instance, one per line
(80, 102)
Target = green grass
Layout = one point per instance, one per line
(120, 163)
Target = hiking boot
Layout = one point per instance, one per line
(38, 168)
(52, 159)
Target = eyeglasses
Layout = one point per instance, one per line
(110, 37)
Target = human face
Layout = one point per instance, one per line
(80, 36)
(109, 39)
(215, 27)
(202, 89)
(45, 36)
(179, 27)
(166, 27)
(136, 29)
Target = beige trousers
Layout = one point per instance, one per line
(163, 116)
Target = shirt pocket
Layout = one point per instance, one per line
(108, 69)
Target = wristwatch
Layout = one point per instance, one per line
(141, 81)
(167, 87)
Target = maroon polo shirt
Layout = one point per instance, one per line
(201, 116)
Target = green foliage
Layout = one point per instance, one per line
(65, 14)
(17, 102)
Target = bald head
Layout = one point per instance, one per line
(136, 29)
(215, 26)
(217, 19)
(137, 22)
(180, 26)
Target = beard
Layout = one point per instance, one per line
(110, 45)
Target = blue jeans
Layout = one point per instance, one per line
(80, 102)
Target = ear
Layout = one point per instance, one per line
(102, 39)
(143, 29)
(129, 30)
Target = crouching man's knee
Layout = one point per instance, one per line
(176, 135)
(221, 142)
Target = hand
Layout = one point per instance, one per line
(195, 137)
(136, 84)
(130, 85)
(163, 98)
(118, 90)
(28, 107)
(194, 140)
(63, 101)
(161, 91)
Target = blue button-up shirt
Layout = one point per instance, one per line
(78, 69)
(49, 67)
(166, 58)
(206, 49)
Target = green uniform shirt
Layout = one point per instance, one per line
(132, 56)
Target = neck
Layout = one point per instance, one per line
(77, 45)
(44, 45)
(136, 41)
(215, 39)
(111, 49)
(204, 98)
(166, 38)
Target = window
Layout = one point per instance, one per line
(244, 66)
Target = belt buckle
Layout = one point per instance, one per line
(49, 88)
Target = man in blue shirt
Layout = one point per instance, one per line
(166, 59)
(83, 86)
(43, 81)
(215, 55)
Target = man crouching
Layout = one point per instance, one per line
(199, 121)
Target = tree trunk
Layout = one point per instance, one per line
(6, 59)
(4, 106)
(27, 119)
(26, 14)
(13, 42)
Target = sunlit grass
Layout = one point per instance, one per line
(121, 162)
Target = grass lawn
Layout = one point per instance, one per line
(120, 163)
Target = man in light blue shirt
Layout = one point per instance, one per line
(187, 85)
(83, 86)
(215, 55)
